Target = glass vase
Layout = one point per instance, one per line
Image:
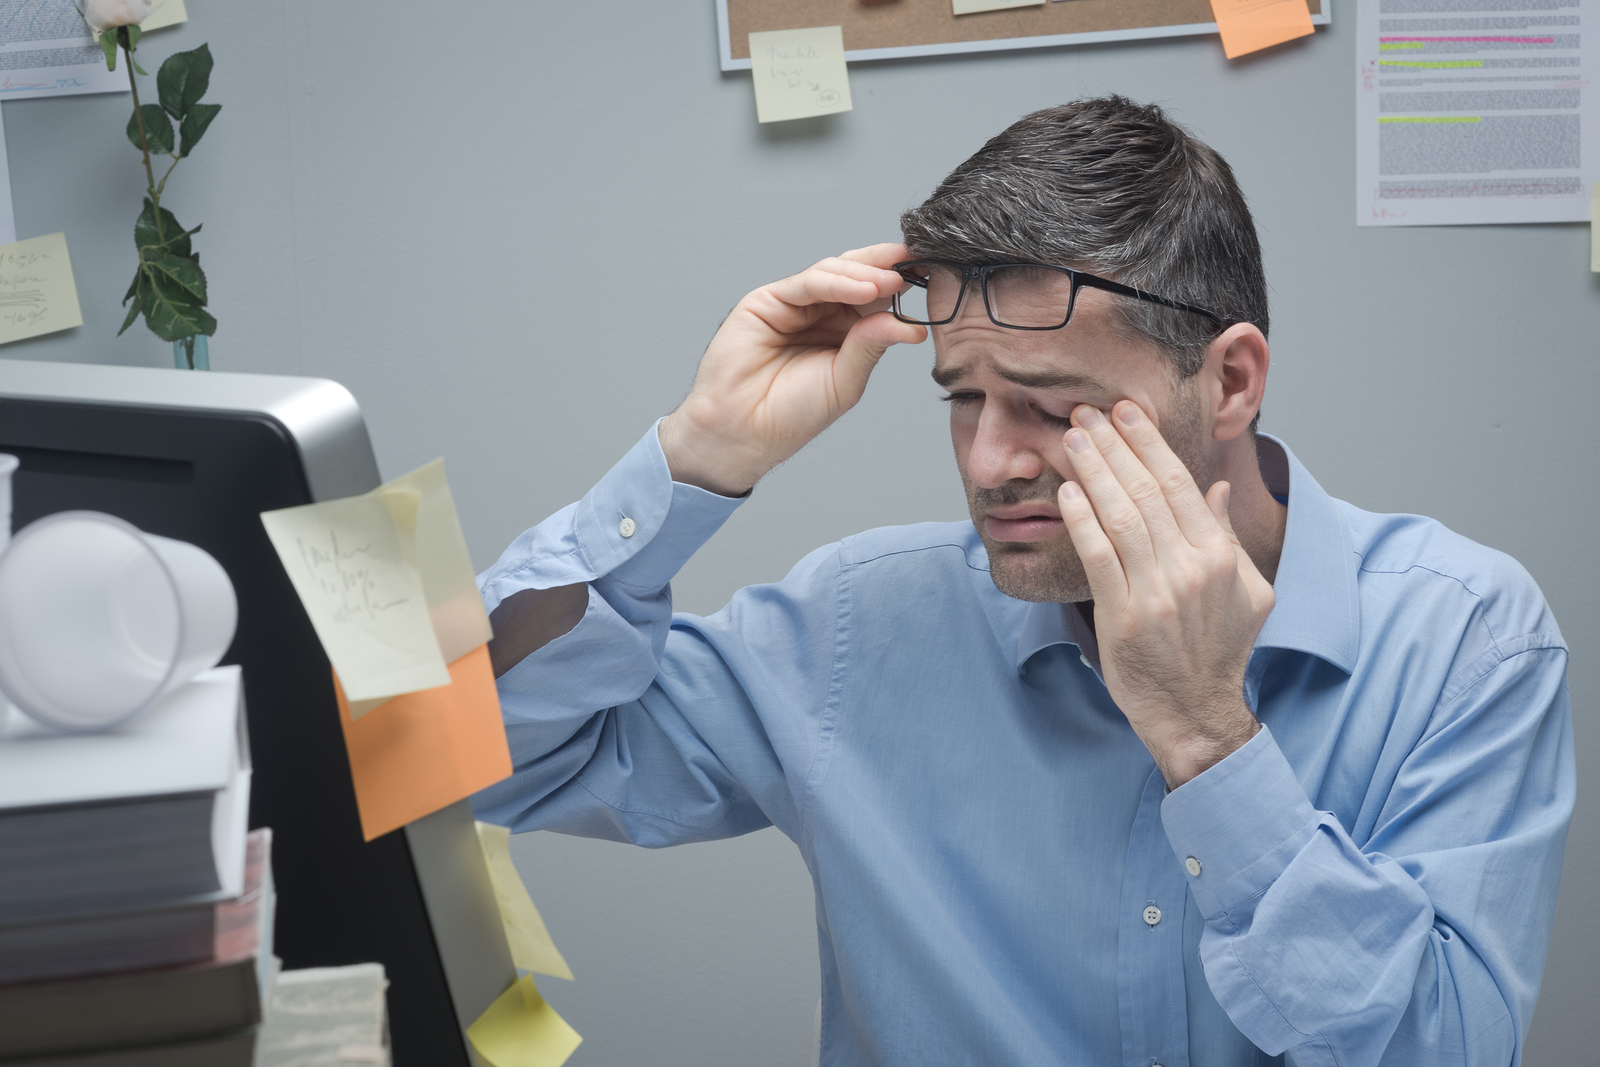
(191, 353)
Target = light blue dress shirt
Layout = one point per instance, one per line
(1001, 875)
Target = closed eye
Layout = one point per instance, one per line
(960, 399)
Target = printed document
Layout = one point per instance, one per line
(46, 50)
(1476, 111)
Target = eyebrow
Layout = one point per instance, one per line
(1047, 379)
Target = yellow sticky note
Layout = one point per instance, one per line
(37, 294)
(353, 563)
(1594, 228)
(521, 1030)
(448, 582)
(967, 7)
(799, 73)
(1251, 25)
(531, 947)
(164, 13)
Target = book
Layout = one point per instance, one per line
(161, 935)
(235, 1049)
(174, 1006)
(150, 811)
(326, 1015)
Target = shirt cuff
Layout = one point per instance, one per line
(636, 526)
(1236, 827)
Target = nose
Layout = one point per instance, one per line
(1004, 449)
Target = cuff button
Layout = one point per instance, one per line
(626, 527)
(1192, 865)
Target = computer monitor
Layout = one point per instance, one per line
(198, 456)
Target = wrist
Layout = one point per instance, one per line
(1204, 746)
(699, 459)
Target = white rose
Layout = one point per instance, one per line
(103, 15)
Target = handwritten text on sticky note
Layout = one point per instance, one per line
(353, 563)
(1251, 25)
(799, 73)
(37, 294)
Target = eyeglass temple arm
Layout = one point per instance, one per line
(1139, 294)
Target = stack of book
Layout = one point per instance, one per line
(135, 909)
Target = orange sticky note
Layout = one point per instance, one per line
(423, 751)
(1251, 25)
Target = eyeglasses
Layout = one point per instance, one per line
(1018, 296)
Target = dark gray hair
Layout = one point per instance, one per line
(1117, 189)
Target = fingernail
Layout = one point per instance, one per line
(1087, 416)
(1077, 440)
(1071, 489)
(1128, 414)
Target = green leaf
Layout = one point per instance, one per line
(171, 313)
(157, 127)
(183, 80)
(167, 238)
(180, 274)
(108, 44)
(129, 36)
(141, 282)
(133, 286)
(195, 123)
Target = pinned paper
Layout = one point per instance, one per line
(424, 609)
(353, 563)
(799, 73)
(164, 13)
(1251, 25)
(531, 947)
(967, 7)
(520, 1030)
(1594, 228)
(425, 751)
(37, 294)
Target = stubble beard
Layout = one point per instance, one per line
(1050, 571)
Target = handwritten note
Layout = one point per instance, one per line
(799, 73)
(164, 13)
(37, 294)
(531, 947)
(967, 7)
(448, 582)
(353, 563)
(520, 1030)
(1251, 25)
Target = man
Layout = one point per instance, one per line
(1165, 758)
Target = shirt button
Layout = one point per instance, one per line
(1192, 865)
(626, 527)
(1152, 915)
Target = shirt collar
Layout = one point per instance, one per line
(1315, 607)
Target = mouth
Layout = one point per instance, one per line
(1022, 522)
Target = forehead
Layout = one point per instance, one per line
(1094, 356)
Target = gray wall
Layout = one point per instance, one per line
(511, 232)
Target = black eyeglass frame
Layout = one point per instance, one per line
(1078, 278)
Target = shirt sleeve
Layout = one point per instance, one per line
(1425, 945)
(638, 725)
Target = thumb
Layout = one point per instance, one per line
(1217, 498)
(864, 345)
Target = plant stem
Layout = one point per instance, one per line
(144, 139)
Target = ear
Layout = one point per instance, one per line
(1233, 379)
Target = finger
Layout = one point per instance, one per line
(1261, 593)
(1108, 583)
(838, 280)
(881, 255)
(1119, 516)
(1182, 497)
(1134, 477)
(863, 346)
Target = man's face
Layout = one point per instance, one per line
(1011, 393)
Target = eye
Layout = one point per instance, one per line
(1062, 421)
(962, 398)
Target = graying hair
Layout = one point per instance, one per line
(1117, 189)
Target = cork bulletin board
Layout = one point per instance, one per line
(889, 29)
